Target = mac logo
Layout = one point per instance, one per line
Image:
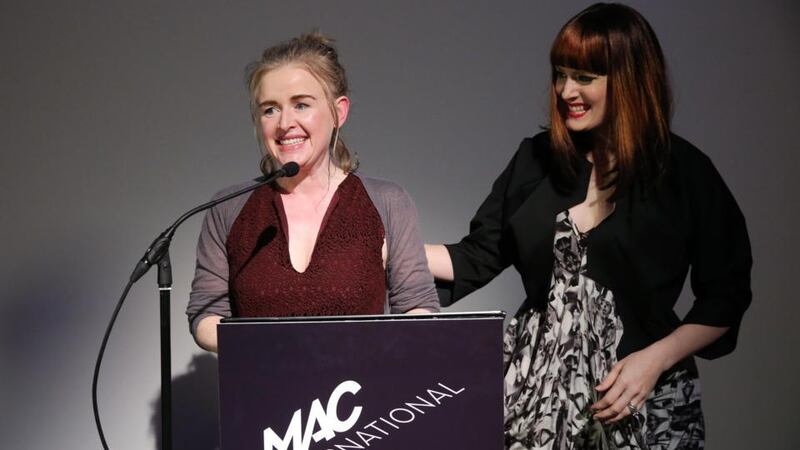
(326, 419)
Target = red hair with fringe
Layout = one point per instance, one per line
(633, 141)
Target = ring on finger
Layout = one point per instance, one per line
(635, 413)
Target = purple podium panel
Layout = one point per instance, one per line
(370, 382)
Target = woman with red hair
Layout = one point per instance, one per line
(603, 215)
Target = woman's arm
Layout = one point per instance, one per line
(209, 296)
(632, 379)
(485, 252)
(420, 311)
(206, 333)
(439, 262)
(409, 282)
(720, 259)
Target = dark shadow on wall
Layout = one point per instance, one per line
(195, 407)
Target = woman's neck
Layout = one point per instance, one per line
(313, 181)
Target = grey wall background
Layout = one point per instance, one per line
(117, 116)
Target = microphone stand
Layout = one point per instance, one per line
(158, 254)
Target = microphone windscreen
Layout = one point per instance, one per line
(290, 169)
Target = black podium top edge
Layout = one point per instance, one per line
(445, 316)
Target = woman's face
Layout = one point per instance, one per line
(295, 117)
(581, 97)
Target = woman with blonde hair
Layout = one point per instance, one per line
(603, 215)
(323, 242)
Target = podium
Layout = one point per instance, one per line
(390, 382)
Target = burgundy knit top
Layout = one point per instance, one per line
(243, 266)
(345, 274)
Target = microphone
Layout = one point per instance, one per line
(160, 245)
(290, 169)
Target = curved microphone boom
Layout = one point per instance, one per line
(159, 246)
(158, 253)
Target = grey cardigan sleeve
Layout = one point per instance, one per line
(209, 295)
(410, 283)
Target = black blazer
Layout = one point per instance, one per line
(642, 251)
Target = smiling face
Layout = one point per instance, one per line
(581, 97)
(296, 118)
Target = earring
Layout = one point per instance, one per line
(332, 146)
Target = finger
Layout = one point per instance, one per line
(625, 412)
(619, 410)
(614, 409)
(609, 398)
(637, 401)
(609, 380)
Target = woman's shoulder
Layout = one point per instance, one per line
(694, 173)
(534, 153)
(686, 152)
(531, 162)
(395, 207)
(388, 197)
(229, 209)
(381, 187)
(536, 147)
(689, 160)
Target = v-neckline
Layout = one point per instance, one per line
(285, 225)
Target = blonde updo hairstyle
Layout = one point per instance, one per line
(315, 53)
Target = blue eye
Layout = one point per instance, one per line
(269, 111)
(301, 106)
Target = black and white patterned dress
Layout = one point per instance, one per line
(555, 357)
